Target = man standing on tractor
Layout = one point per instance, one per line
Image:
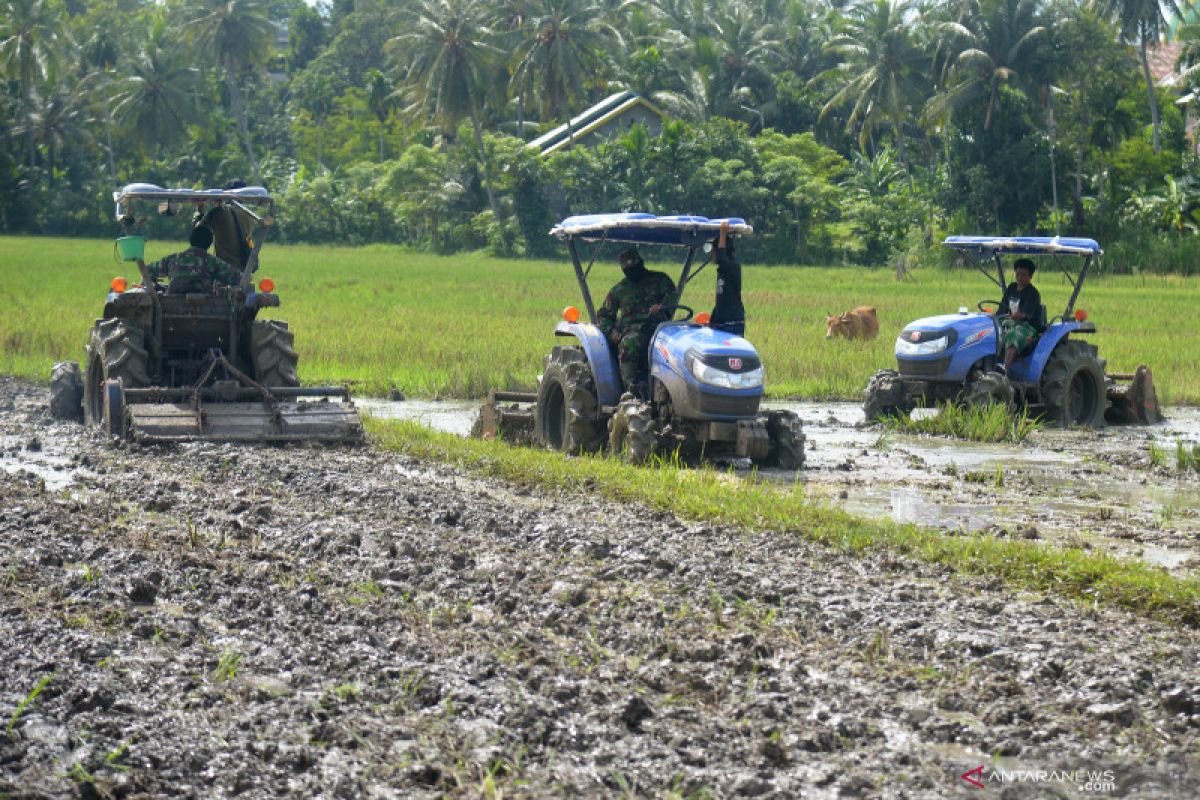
(231, 225)
(193, 270)
(1018, 309)
(728, 314)
(632, 310)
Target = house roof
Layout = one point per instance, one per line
(1162, 60)
(589, 120)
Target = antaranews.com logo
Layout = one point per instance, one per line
(1091, 781)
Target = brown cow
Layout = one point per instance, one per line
(861, 323)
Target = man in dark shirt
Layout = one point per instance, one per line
(728, 314)
(1017, 312)
(193, 270)
(631, 311)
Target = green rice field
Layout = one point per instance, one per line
(383, 318)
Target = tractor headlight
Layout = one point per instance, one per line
(904, 347)
(751, 379)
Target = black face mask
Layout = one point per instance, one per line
(633, 272)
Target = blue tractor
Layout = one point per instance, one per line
(955, 357)
(702, 393)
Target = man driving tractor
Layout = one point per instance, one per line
(193, 270)
(631, 311)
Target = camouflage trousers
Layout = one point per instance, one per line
(1016, 334)
(632, 356)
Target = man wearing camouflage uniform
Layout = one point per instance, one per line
(631, 311)
(193, 270)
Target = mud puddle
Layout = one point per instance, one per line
(1088, 489)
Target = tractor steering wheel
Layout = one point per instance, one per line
(688, 309)
(980, 305)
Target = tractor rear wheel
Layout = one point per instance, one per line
(273, 353)
(885, 397)
(567, 415)
(631, 431)
(117, 352)
(990, 387)
(1073, 385)
(787, 441)
(66, 391)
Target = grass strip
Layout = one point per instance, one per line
(715, 496)
(990, 422)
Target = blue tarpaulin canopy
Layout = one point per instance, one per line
(247, 195)
(1024, 245)
(636, 228)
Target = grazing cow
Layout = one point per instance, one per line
(861, 323)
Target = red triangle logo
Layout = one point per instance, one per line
(973, 777)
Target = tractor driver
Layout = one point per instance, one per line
(631, 311)
(1018, 310)
(193, 270)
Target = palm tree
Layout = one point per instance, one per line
(747, 53)
(101, 54)
(995, 45)
(560, 53)
(31, 34)
(59, 121)
(237, 34)
(881, 71)
(449, 54)
(157, 97)
(379, 101)
(1143, 22)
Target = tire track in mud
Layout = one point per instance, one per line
(221, 621)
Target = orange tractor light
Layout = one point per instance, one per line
(570, 314)
(1080, 315)
(119, 284)
(266, 285)
(703, 318)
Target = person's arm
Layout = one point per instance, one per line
(1002, 309)
(721, 239)
(155, 270)
(667, 299)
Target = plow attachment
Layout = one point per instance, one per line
(507, 416)
(231, 410)
(1133, 399)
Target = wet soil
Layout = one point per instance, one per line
(217, 621)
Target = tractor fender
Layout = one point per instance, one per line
(1031, 370)
(600, 357)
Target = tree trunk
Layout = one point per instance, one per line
(903, 154)
(112, 169)
(1154, 121)
(487, 174)
(239, 111)
(1077, 198)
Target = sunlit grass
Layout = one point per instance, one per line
(711, 495)
(380, 317)
(990, 422)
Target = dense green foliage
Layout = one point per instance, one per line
(844, 132)
(382, 317)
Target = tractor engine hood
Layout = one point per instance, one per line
(941, 334)
(709, 374)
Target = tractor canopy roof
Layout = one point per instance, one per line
(247, 195)
(637, 228)
(1024, 245)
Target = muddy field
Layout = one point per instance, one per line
(1088, 489)
(210, 621)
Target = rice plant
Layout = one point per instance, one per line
(990, 422)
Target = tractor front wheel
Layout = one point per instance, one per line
(787, 441)
(117, 352)
(567, 414)
(990, 387)
(66, 391)
(1073, 386)
(631, 431)
(885, 397)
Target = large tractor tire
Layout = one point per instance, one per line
(567, 416)
(885, 397)
(66, 391)
(988, 388)
(787, 441)
(273, 353)
(631, 431)
(1073, 385)
(117, 352)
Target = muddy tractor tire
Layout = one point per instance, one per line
(885, 397)
(631, 431)
(117, 352)
(1074, 391)
(66, 391)
(567, 415)
(273, 353)
(988, 388)
(787, 441)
